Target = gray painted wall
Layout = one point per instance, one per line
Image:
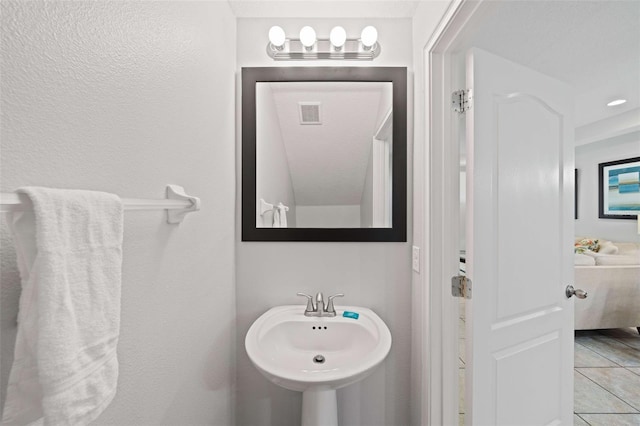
(126, 97)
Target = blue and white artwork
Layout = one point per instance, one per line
(622, 193)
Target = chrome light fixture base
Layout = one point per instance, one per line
(294, 50)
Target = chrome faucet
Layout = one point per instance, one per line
(320, 304)
(319, 309)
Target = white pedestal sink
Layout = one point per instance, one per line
(317, 355)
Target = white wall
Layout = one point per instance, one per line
(587, 159)
(127, 97)
(328, 216)
(376, 275)
(273, 178)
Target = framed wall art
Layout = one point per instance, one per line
(619, 189)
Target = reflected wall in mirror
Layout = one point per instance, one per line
(324, 154)
(324, 151)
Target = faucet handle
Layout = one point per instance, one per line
(330, 307)
(310, 307)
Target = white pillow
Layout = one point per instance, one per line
(583, 260)
(607, 247)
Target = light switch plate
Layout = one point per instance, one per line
(415, 258)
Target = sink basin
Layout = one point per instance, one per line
(317, 353)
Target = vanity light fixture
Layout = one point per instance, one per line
(308, 46)
(617, 102)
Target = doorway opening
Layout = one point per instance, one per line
(535, 34)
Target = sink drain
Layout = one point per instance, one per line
(318, 359)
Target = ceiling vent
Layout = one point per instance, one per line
(309, 112)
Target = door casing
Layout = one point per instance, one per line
(440, 160)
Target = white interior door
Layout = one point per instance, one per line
(519, 245)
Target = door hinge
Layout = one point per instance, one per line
(461, 100)
(461, 286)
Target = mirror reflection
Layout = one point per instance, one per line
(323, 154)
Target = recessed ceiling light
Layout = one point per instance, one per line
(617, 102)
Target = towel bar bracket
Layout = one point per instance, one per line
(175, 192)
(268, 207)
(265, 207)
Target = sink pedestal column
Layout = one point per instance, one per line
(319, 408)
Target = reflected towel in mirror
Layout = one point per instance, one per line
(280, 216)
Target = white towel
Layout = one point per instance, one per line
(276, 217)
(280, 212)
(69, 251)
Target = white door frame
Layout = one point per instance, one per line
(381, 162)
(439, 382)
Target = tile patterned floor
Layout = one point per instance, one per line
(606, 376)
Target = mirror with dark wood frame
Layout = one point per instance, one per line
(324, 152)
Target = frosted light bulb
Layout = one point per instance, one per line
(276, 36)
(338, 36)
(369, 36)
(307, 37)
